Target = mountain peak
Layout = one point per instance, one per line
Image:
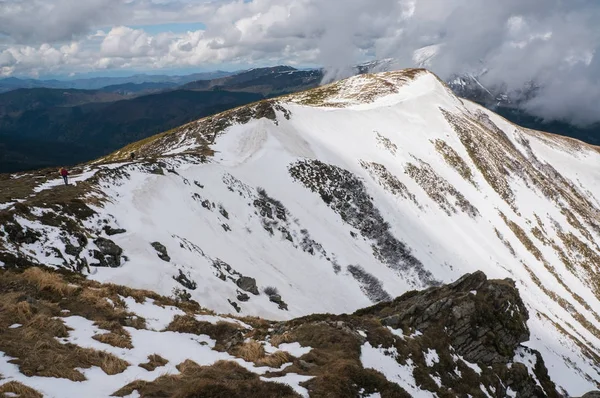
(365, 89)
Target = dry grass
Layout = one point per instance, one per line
(522, 236)
(254, 351)
(114, 339)
(222, 379)
(154, 361)
(45, 280)
(275, 360)
(454, 160)
(34, 298)
(490, 150)
(283, 338)
(251, 351)
(18, 389)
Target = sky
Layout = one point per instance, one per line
(549, 43)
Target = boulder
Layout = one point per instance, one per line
(248, 284)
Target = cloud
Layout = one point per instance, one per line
(44, 21)
(550, 43)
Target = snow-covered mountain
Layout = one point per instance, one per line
(337, 198)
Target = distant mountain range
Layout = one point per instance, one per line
(66, 122)
(94, 83)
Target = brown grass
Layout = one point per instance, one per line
(154, 361)
(454, 160)
(34, 298)
(45, 280)
(222, 379)
(283, 338)
(275, 360)
(114, 339)
(19, 390)
(23, 311)
(251, 351)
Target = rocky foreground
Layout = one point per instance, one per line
(63, 335)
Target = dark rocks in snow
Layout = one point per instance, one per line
(276, 298)
(223, 212)
(110, 231)
(161, 251)
(243, 297)
(72, 250)
(269, 207)
(109, 253)
(226, 227)
(185, 281)
(19, 234)
(196, 183)
(369, 284)
(235, 305)
(248, 284)
(206, 204)
(346, 195)
(181, 295)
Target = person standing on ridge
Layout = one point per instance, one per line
(65, 175)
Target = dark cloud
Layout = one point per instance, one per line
(48, 21)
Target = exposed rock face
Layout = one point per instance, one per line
(485, 321)
(109, 253)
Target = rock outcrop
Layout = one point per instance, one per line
(484, 321)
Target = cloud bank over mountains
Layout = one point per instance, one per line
(551, 43)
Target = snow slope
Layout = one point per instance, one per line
(356, 192)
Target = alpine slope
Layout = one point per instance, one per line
(337, 198)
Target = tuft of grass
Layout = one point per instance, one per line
(276, 359)
(154, 361)
(17, 389)
(115, 339)
(251, 351)
(283, 338)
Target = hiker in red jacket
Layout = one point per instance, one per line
(65, 175)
